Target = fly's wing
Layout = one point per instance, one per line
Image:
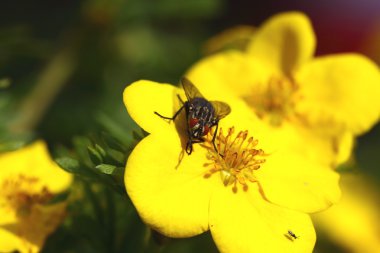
(190, 90)
(221, 109)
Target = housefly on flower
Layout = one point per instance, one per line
(201, 115)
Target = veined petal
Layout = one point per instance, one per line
(292, 181)
(341, 91)
(143, 98)
(167, 186)
(245, 222)
(284, 42)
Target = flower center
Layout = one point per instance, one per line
(18, 195)
(236, 160)
(275, 101)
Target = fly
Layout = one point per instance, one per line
(293, 235)
(201, 115)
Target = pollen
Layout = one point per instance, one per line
(18, 195)
(236, 160)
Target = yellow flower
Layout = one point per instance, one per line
(231, 193)
(353, 223)
(29, 179)
(326, 100)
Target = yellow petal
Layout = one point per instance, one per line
(9, 242)
(33, 161)
(167, 186)
(322, 149)
(29, 174)
(340, 92)
(343, 144)
(292, 181)
(29, 233)
(228, 74)
(143, 98)
(284, 42)
(235, 37)
(353, 222)
(244, 222)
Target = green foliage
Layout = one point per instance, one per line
(13, 141)
(99, 159)
(4, 83)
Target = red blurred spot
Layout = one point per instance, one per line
(205, 130)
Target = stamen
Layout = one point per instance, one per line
(236, 159)
(275, 101)
(19, 196)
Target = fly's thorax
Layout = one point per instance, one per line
(201, 117)
(201, 109)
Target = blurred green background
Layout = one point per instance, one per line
(63, 68)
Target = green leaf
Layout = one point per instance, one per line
(110, 169)
(138, 136)
(101, 151)
(95, 155)
(114, 128)
(69, 164)
(112, 142)
(80, 145)
(117, 156)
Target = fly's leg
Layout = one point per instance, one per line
(170, 118)
(189, 144)
(213, 140)
(176, 114)
(180, 99)
(189, 147)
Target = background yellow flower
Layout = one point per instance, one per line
(327, 100)
(353, 223)
(29, 180)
